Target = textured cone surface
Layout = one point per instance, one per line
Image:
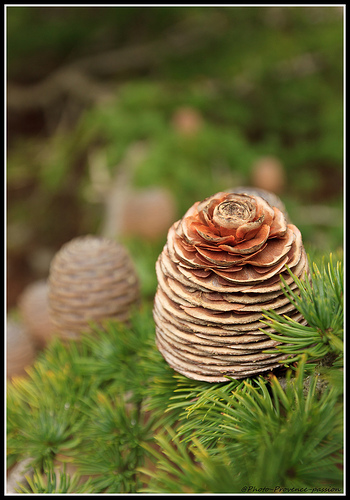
(91, 279)
(220, 268)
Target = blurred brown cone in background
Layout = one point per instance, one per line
(138, 212)
(147, 213)
(268, 173)
(91, 279)
(33, 306)
(187, 121)
(20, 349)
(218, 271)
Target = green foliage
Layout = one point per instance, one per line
(82, 402)
(51, 482)
(264, 436)
(115, 354)
(183, 470)
(111, 450)
(321, 304)
(43, 409)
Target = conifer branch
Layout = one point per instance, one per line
(272, 436)
(321, 304)
(50, 482)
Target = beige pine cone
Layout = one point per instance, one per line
(34, 309)
(91, 279)
(219, 269)
(20, 350)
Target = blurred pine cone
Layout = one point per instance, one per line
(20, 350)
(34, 309)
(219, 269)
(91, 279)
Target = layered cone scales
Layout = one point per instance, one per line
(91, 279)
(219, 269)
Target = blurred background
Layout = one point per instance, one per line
(120, 118)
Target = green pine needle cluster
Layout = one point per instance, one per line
(107, 414)
(262, 435)
(51, 482)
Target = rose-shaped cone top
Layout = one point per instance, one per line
(220, 268)
(91, 279)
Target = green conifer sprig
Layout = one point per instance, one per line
(82, 402)
(192, 402)
(111, 449)
(51, 482)
(321, 304)
(43, 409)
(181, 469)
(265, 435)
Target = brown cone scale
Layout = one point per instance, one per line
(220, 268)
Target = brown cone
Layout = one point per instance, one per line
(34, 308)
(20, 350)
(219, 270)
(91, 279)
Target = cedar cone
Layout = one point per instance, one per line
(34, 308)
(91, 279)
(218, 270)
(268, 173)
(20, 350)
